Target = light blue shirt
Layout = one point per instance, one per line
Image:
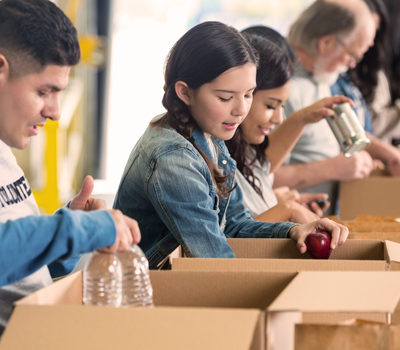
(317, 142)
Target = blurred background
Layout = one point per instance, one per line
(117, 88)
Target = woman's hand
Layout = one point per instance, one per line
(311, 201)
(284, 194)
(337, 231)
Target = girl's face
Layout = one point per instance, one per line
(265, 113)
(222, 104)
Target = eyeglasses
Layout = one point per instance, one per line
(356, 58)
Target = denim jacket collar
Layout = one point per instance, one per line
(225, 162)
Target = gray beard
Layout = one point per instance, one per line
(326, 78)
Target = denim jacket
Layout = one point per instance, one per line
(167, 187)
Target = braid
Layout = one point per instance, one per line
(179, 118)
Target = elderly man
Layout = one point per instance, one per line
(328, 37)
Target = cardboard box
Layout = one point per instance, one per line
(378, 218)
(225, 289)
(375, 195)
(282, 255)
(329, 298)
(369, 218)
(371, 226)
(357, 334)
(216, 311)
(390, 236)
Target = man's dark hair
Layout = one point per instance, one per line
(34, 34)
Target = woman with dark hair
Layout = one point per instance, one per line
(385, 100)
(365, 74)
(179, 180)
(256, 153)
(371, 83)
(393, 48)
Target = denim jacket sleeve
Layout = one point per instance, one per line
(182, 193)
(240, 224)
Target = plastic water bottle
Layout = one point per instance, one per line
(120, 279)
(136, 284)
(102, 280)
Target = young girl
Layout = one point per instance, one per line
(179, 180)
(255, 155)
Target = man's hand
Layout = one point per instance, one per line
(358, 166)
(83, 201)
(323, 109)
(127, 232)
(337, 231)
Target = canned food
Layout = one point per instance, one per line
(347, 129)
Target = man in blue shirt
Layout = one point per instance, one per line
(38, 46)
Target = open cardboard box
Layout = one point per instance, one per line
(356, 334)
(371, 223)
(371, 226)
(269, 254)
(309, 312)
(391, 236)
(375, 195)
(216, 311)
(378, 218)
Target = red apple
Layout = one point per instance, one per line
(318, 245)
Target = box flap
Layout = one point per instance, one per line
(392, 251)
(340, 292)
(280, 248)
(277, 265)
(217, 288)
(377, 235)
(67, 290)
(90, 327)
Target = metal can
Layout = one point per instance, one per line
(347, 129)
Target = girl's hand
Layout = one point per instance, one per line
(337, 231)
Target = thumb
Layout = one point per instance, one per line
(86, 189)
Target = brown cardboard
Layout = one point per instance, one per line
(331, 297)
(282, 255)
(378, 218)
(390, 236)
(370, 226)
(365, 336)
(229, 313)
(217, 288)
(374, 195)
(220, 289)
(87, 327)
